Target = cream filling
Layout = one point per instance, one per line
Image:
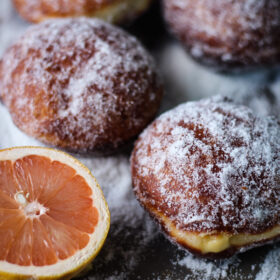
(216, 242)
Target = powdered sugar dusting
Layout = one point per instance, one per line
(93, 77)
(229, 31)
(218, 153)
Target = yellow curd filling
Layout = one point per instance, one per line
(217, 242)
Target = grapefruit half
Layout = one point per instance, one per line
(53, 215)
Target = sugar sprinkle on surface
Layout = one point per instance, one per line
(90, 76)
(218, 154)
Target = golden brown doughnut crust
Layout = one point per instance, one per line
(80, 84)
(116, 11)
(210, 166)
(227, 34)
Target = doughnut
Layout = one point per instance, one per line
(80, 84)
(114, 11)
(209, 173)
(226, 34)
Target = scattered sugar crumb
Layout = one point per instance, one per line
(209, 270)
(270, 269)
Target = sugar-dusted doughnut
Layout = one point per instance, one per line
(227, 34)
(80, 84)
(115, 11)
(209, 173)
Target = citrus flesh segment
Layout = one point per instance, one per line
(41, 177)
(20, 250)
(83, 216)
(11, 222)
(7, 202)
(42, 243)
(7, 180)
(66, 240)
(47, 212)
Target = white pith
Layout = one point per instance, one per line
(31, 209)
(96, 239)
